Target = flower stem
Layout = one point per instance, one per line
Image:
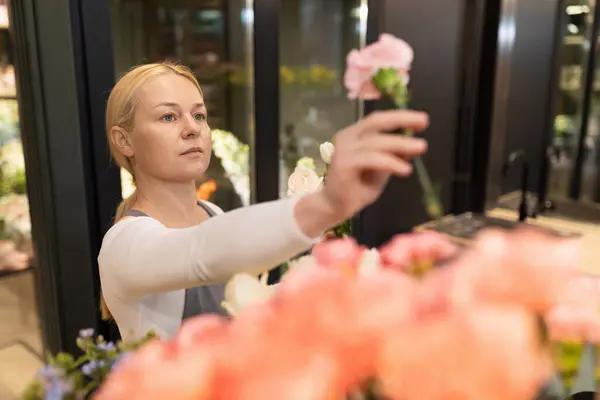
(433, 205)
(389, 83)
(431, 199)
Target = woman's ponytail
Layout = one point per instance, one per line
(125, 206)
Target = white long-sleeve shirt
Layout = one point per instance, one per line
(145, 267)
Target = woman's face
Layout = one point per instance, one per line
(171, 138)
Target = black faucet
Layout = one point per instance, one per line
(511, 159)
(544, 203)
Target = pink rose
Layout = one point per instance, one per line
(362, 65)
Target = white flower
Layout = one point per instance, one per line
(243, 291)
(302, 181)
(235, 159)
(369, 263)
(303, 262)
(326, 150)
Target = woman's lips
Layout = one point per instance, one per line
(194, 151)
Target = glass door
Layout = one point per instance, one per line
(315, 37)
(571, 102)
(589, 148)
(21, 341)
(574, 179)
(214, 39)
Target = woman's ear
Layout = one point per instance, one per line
(120, 139)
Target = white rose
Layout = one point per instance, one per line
(326, 150)
(303, 262)
(302, 181)
(243, 291)
(369, 263)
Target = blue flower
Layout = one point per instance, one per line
(86, 333)
(56, 387)
(49, 372)
(118, 360)
(90, 367)
(110, 346)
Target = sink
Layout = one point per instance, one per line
(564, 208)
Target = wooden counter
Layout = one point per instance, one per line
(590, 234)
(590, 240)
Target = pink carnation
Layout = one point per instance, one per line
(577, 315)
(428, 246)
(158, 371)
(487, 352)
(362, 65)
(341, 254)
(326, 331)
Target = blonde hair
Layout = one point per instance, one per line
(120, 111)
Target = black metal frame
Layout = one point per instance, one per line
(53, 111)
(265, 138)
(38, 183)
(265, 141)
(475, 105)
(97, 78)
(480, 148)
(374, 23)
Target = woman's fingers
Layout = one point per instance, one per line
(383, 162)
(392, 120)
(403, 146)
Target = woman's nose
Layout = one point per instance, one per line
(191, 127)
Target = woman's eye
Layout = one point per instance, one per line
(168, 118)
(200, 117)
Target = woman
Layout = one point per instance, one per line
(165, 259)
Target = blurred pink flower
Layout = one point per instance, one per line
(341, 254)
(362, 65)
(428, 246)
(488, 352)
(325, 331)
(527, 267)
(200, 329)
(158, 372)
(577, 315)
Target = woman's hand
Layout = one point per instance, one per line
(365, 156)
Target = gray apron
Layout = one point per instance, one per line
(201, 299)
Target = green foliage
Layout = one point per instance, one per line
(567, 358)
(343, 229)
(13, 184)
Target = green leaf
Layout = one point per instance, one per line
(284, 268)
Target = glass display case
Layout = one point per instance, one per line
(573, 154)
(215, 39)
(575, 53)
(20, 337)
(313, 100)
